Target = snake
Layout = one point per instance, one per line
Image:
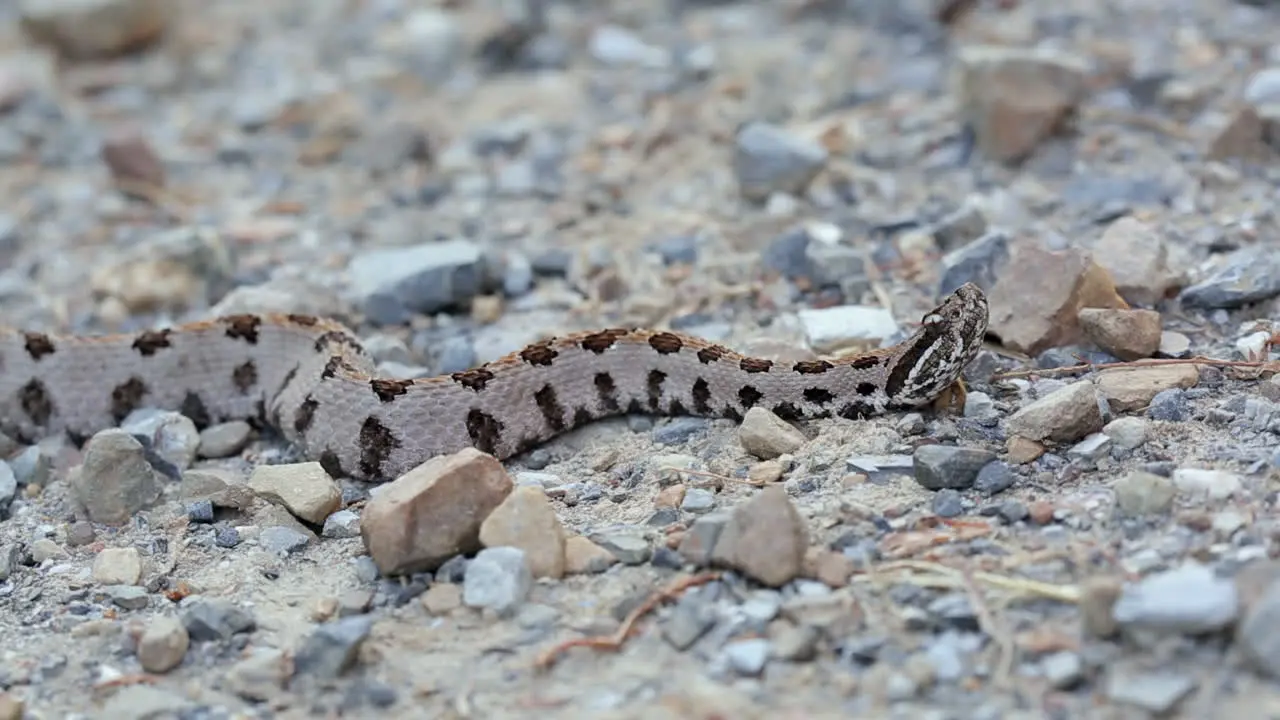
(309, 379)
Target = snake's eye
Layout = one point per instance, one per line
(931, 319)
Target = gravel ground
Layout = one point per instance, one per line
(1090, 533)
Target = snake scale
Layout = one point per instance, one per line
(311, 379)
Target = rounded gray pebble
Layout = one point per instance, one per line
(200, 511)
(226, 536)
(948, 503)
(679, 430)
(1168, 405)
(994, 477)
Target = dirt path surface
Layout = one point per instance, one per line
(1088, 532)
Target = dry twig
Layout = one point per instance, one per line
(1259, 365)
(720, 479)
(614, 642)
(992, 626)
(943, 576)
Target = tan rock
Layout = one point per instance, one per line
(433, 512)
(526, 520)
(774, 557)
(89, 29)
(1014, 98)
(1137, 257)
(1064, 415)
(1037, 301)
(583, 557)
(1131, 388)
(1022, 450)
(1097, 598)
(828, 566)
(442, 598)
(117, 566)
(11, 707)
(131, 159)
(1127, 334)
(765, 472)
(163, 644)
(305, 489)
(766, 435)
(1240, 135)
(670, 497)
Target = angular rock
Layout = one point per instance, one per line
(163, 644)
(1014, 98)
(768, 159)
(497, 579)
(527, 520)
(1130, 388)
(433, 512)
(1127, 334)
(1246, 276)
(1136, 255)
(947, 466)
(766, 435)
(115, 481)
(1064, 415)
(117, 566)
(89, 29)
(305, 489)
(1037, 301)
(774, 557)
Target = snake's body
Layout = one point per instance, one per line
(310, 378)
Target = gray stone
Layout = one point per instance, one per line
(1263, 87)
(1063, 669)
(1190, 599)
(768, 160)
(1092, 448)
(1169, 405)
(615, 45)
(1156, 692)
(498, 579)
(173, 436)
(8, 487)
(10, 557)
(679, 430)
(689, 620)
(333, 648)
(1257, 636)
(1127, 433)
(115, 481)
(207, 619)
(977, 262)
(995, 477)
(394, 283)
(698, 501)
(1247, 276)
(748, 657)
(948, 466)
(129, 597)
(342, 524)
(224, 439)
(630, 548)
(1142, 493)
(282, 540)
(700, 540)
(832, 328)
(948, 503)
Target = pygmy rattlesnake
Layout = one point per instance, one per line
(310, 378)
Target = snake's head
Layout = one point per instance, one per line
(933, 358)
